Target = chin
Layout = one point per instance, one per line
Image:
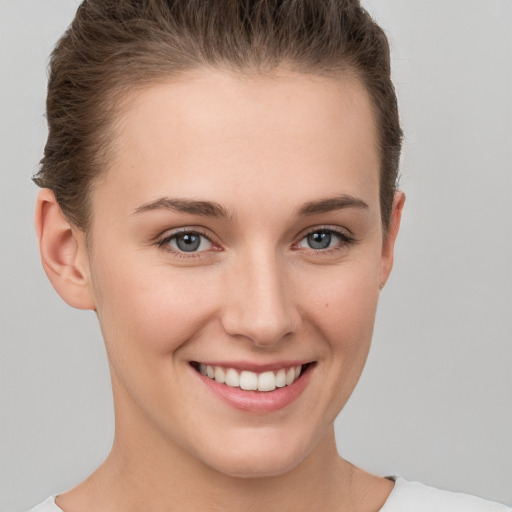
(268, 458)
(257, 467)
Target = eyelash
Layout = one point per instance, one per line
(344, 241)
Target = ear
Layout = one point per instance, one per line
(388, 246)
(63, 252)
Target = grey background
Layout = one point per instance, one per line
(435, 401)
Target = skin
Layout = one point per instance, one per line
(262, 149)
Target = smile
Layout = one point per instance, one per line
(253, 388)
(252, 381)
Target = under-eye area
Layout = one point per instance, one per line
(253, 381)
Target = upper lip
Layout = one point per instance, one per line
(255, 367)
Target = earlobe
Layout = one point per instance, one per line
(388, 246)
(63, 252)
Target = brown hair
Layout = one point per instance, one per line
(113, 46)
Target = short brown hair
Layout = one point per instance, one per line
(115, 45)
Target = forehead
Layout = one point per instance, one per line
(212, 133)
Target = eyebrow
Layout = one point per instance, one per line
(331, 204)
(212, 209)
(204, 208)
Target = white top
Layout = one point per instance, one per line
(415, 497)
(405, 497)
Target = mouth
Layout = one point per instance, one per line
(254, 388)
(247, 380)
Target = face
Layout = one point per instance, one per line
(237, 234)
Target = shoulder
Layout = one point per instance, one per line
(408, 496)
(47, 506)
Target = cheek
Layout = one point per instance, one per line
(344, 303)
(155, 308)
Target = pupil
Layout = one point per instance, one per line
(319, 240)
(188, 242)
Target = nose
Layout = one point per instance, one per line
(260, 305)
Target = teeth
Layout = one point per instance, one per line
(250, 381)
(290, 376)
(232, 378)
(281, 378)
(266, 381)
(220, 376)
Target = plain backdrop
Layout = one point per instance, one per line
(435, 401)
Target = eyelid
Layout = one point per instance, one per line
(343, 232)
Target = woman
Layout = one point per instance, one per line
(219, 186)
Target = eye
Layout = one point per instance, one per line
(322, 239)
(319, 240)
(187, 242)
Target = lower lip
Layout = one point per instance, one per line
(258, 401)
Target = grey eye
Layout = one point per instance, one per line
(190, 242)
(319, 240)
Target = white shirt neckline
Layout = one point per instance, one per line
(51, 505)
(404, 495)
